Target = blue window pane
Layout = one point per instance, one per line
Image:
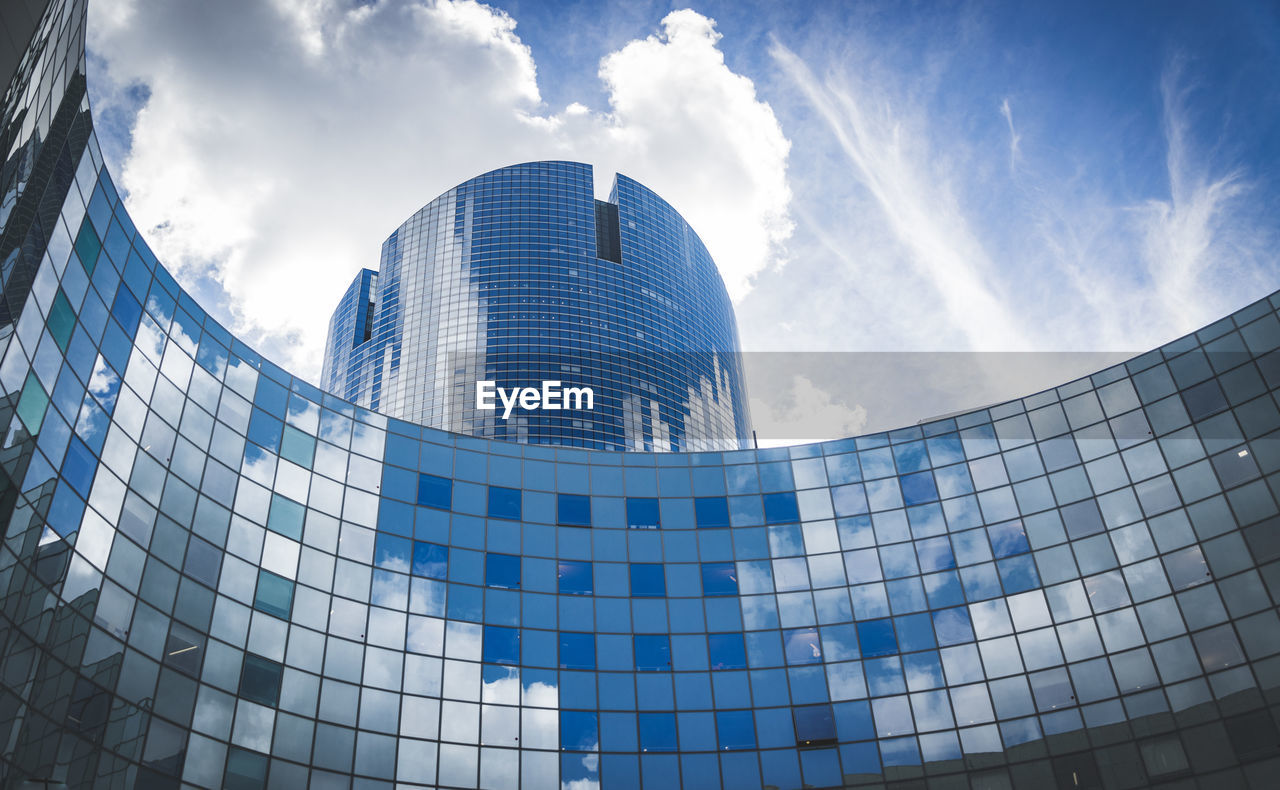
(924, 671)
(935, 555)
(79, 466)
(953, 626)
(396, 517)
(265, 430)
(839, 642)
(573, 510)
(727, 651)
(648, 580)
(574, 578)
(270, 396)
(776, 476)
(430, 560)
(781, 508)
(719, 578)
(392, 553)
(711, 511)
(884, 676)
(900, 751)
(657, 732)
(853, 721)
(860, 758)
(737, 729)
(876, 638)
(435, 491)
(501, 645)
(821, 767)
(1018, 574)
(919, 488)
(980, 582)
(653, 652)
(943, 589)
(915, 632)
(1008, 539)
(849, 500)
(642, 513)
(577, 651)
(911, 457)
(502, 570)
(576, 771)
(126, 310)
(579, 731)
(802, 646)
(504, 503)
(815, 725)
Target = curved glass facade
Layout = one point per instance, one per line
(215, 575)
(519, 276)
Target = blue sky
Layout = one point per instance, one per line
(878, 176)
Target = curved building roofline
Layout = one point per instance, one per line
(212, 574)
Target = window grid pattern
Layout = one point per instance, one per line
(215, 575)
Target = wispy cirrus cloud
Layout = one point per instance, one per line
(1199, 242)
(934, 220)
(1031, 247)
(1006, 111)
(914, 199)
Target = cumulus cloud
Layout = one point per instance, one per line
(275, 145)
(789, 408)
(691, 123)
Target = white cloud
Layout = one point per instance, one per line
(699, 130)
(926, 219)
(794, 410)
(1194, 241)
(1006, 111)
(280, 143)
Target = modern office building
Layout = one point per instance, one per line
(520, 276)
(213, 574)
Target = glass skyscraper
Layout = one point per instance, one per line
(520, 276)
(214, 574)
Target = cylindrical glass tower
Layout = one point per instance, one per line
(520, 276)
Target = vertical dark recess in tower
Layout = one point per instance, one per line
(607, 245)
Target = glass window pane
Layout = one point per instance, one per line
(260, 680)
(642, 513)
(574, 578)
(577, 651)
(274, 595)
(573, 510)
(648, 580)
(504, 503)
(435, 491)
(430, 560)
(711, 511)
(719, 578)
(502, 570)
